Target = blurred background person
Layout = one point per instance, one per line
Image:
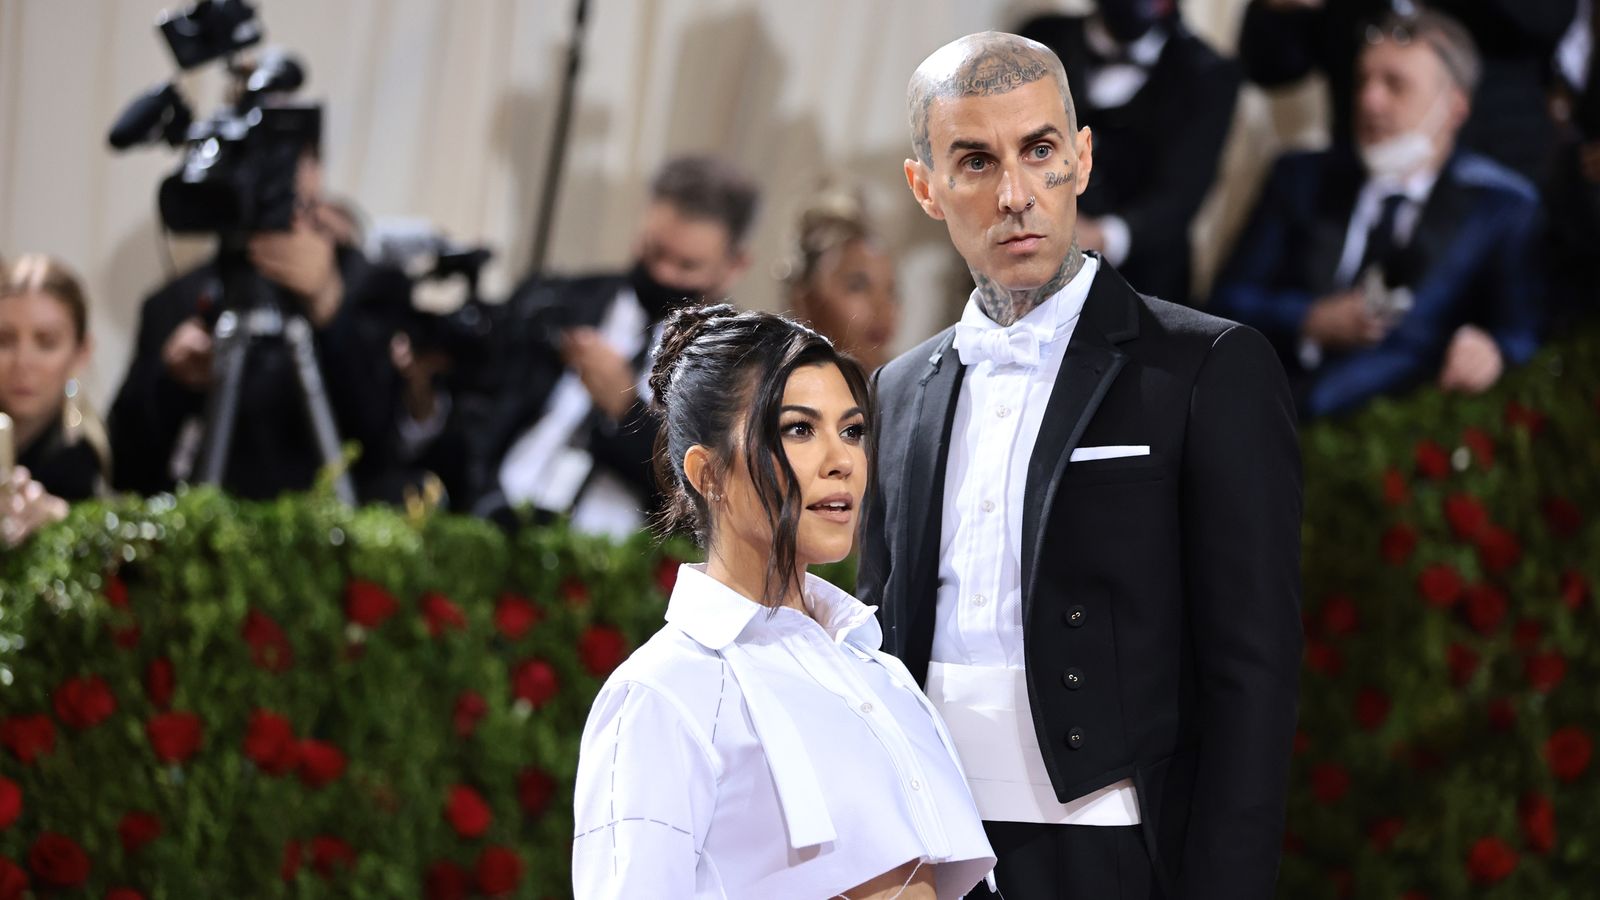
(1283, 41)
(1160, 103)
(44, 346)
(157, 421)
(569, 431)
(1574, 195)
(841, 280)
(1407, 260)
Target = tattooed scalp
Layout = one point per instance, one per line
(983, 64)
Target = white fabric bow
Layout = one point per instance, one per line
(1017, 344)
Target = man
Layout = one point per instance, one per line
(570, 432)
(1103, 596)
(1160, 102)
(1408, 260)
(157, 420)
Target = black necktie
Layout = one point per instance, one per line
(1381, 244)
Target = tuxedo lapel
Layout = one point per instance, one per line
(1448, 205)
(1092, 361)
(921, 500)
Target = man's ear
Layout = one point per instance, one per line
(1085, 144)
(920, 180)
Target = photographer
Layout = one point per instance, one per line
(568, 431)
(157, 423)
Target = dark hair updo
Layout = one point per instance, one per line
(716, 366)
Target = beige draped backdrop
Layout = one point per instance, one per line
(442, 110)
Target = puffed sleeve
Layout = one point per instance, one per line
(643, 801)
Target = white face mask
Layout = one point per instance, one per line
(1405, 153)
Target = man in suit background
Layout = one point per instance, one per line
(570, 431)
(1375, 270)
(1160, 102)
(1083, 534)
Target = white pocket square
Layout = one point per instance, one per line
(1084, 454)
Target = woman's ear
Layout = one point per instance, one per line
(697, 469)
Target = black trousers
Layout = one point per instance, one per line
(1069, 862)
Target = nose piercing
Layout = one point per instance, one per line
(1031, 200)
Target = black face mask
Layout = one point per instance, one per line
(659, 299)
(1128, 20)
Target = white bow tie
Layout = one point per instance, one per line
(1018, 344)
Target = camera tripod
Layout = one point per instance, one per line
(241, 327)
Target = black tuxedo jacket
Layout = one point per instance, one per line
(1170, 582)
(529, 359)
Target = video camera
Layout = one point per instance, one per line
(238, 169)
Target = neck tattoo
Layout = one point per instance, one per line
(1007, 307)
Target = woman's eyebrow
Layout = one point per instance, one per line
(806, 411)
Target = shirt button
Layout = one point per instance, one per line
(1075, 738)
(1072, 678)
(979, 599)
(988, 506)
(916, 785)
(1002, 411)
(866, 708)
(1075, 616)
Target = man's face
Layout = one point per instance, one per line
(992, 154)
(1402, 88)
(692, 254)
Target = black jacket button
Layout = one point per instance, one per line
(1075, 739)
(1075, 616)
(1072, 679)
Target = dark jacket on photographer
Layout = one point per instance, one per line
(156, 424)
(541, 429)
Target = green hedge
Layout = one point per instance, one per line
(206, 698)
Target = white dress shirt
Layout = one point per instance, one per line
(976, 674)
(743, 752)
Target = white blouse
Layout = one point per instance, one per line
(745, 754)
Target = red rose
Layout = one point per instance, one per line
(123, 893)
(83, 703)
(291, 860)
(1486, 608)
(138, 829)
(321, 763)
(1538, 818)
(1467, 516)
(1463, 663)
(1491, 860)
(1545, 671)
(441, 614)
(1502, 714)
(1339, 616)
(1481, 445)
(575, 594)
(1574, 589)
(58, 861)
(667, 574)
(368, 604)
(269, 647)
(1323, 658)
(535, 788)
(1563, 516)
(1329, 782)
(466, 812)
(1440, 585)
(1498, 549)
(13, 880)
(601, 648)
(1395, 490)
(1372, 709)
(1397, 544)
(269, 743)
(1432, 460)
(445, 880)
(1525, 636)
(515, 616)
(470, 708)
(534, 681)
(1519, 416)
(330, 854)
(159, 682)
(28, 737)
(10, 802)
(126, 638)
(116, 591)
(174, 736)
(1568, 752)
(498, 871)
(1381, 833)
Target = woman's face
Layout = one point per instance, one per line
(851, 299)
(823, 433)
(39, 353)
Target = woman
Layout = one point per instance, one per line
(44, 343)
(760, 745)
(842, 279)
